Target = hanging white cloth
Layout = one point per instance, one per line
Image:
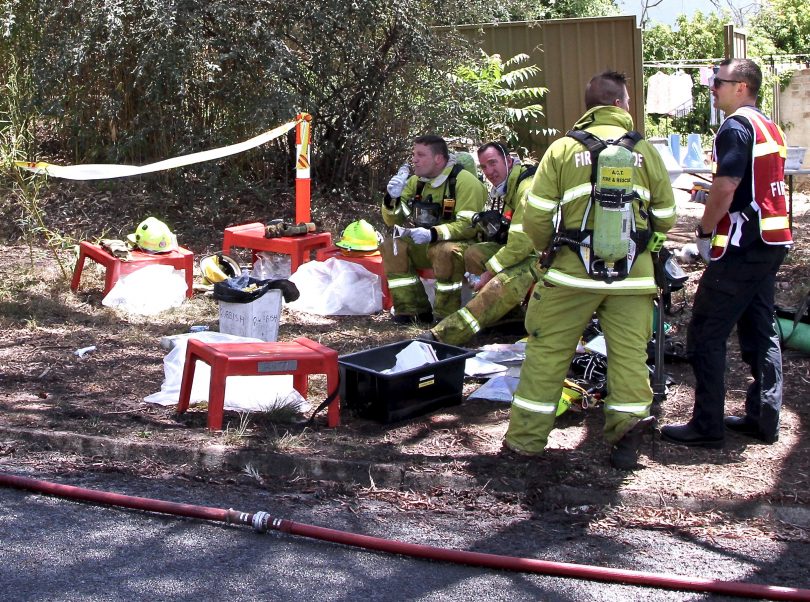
(669, 94)
(680, 87)
(706, 75)
(657, 94)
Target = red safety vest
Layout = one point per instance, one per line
(768, 203)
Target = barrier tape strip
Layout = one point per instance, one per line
(107, 171)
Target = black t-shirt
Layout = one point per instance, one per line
(734, 144)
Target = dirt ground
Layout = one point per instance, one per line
(46, 386)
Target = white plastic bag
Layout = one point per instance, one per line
(336, 288)
(243, 393)
(271, 266)
(148, 291)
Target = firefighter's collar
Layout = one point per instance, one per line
(605, 115)
(442, 177)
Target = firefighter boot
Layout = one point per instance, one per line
(624, 453)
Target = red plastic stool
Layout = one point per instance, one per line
(251, 236)
(300, 358)
(373, 263)
(181, 259)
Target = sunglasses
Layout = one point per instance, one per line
(719, 82)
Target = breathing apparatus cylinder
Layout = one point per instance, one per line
(613, 210)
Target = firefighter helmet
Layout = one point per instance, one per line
(154, 236)
(359, 236)
(218, 267)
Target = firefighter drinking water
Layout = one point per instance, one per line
(437, 202)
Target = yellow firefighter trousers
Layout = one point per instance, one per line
(555, 320)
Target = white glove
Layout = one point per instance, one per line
(420, 236)
(397, 183)
(704, 246)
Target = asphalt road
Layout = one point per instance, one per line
(55, 549)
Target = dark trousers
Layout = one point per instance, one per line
(737, 289)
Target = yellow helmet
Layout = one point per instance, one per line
(219, 267)
(359, 236)
(154, 236)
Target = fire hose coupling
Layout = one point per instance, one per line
(263, 522)
(279, 228)
(260, 520)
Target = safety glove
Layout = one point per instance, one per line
(704, 244)
(420, 236)
(397, 183)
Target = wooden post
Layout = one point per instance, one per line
(302, 180)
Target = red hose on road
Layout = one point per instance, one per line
(261, 521)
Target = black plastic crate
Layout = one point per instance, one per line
(391, 397)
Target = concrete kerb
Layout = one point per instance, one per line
(389, 476)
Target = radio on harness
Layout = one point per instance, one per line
(427, 213)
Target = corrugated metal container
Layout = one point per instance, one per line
(569, 52)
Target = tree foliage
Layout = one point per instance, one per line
(528, 10)
(118, 81)
(500, 101)
(786, 23)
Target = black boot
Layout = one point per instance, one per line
(741, 425)
(685, 434)
(624, 453)
(425, 317)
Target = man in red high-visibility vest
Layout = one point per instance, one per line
(744, 234)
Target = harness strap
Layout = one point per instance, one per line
(451, 185)
(526, 173)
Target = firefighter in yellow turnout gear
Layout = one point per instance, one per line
(570, 293)
(440, 200)
(504, 266)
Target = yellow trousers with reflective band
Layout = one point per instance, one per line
(446, 259)
(555, 320)
(505, 292)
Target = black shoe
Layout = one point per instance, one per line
(624, 453)
(685, 434)
(425, 317)
(426, 336)
(741, 425)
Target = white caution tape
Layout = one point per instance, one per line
(105, 171)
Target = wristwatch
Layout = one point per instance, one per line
(699, 233)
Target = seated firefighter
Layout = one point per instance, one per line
(439, 200)
(504, 257)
